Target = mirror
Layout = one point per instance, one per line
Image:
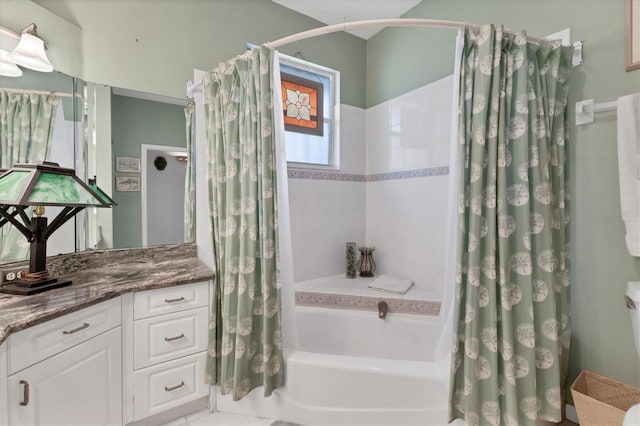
(127, 132)
(67, 128)
(105, 125)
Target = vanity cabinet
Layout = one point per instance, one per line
(167, 333)
(137, 357)
(68, 370)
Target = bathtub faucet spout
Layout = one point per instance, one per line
(383, 307)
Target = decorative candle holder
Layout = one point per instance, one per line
(366, 265)
(351, 271)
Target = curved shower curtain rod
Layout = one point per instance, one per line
(346, 26)
(436, 23)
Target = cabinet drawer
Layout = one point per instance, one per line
(36, 343)
(168, 385)
(171, 299)
(169, 336)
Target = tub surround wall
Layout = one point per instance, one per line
(339, 292)
(99, 276)
(412, 130)
(406, 221)
(324, 216)
(352, 177)
(326, 213)
(407, 218)
(366, 303)
(391, 192)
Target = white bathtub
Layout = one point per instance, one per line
(356, 369)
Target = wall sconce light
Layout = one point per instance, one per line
(39, 185)
(29, 53)
(8, 68)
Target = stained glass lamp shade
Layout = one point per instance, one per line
(39, 185)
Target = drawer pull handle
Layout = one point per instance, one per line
(75, 330)
(25, 393)
(171, 339)
(177, 299)
(170, 388)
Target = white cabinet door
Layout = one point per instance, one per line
(80, 386)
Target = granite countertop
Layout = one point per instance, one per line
(101, 275)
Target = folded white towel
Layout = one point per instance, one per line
(391, 284)
(629, 168)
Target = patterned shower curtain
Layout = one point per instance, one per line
(512, 322)
(26, 130)
(245, 338)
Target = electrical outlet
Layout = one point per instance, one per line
(10, 274)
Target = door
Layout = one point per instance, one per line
(164, 170)
(80, 386)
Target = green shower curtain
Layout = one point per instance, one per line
(512, 323)
(245, 338)
(26, 130)
(188, 179)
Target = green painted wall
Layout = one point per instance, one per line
(153, 46)
(135, 122)
(402, 59)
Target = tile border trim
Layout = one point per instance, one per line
(408, 174)
(366, 303)
(353, 177)
(324, 175)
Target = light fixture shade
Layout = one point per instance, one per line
(30, 53)
(8, 68)
(103, 195)
(47, 184)
(41, 184)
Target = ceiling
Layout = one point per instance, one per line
(339, 11)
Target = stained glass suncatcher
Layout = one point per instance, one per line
(302, 104)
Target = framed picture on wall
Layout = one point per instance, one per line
(127, 164)
(633, 35)
(302, 104)
(127, 184)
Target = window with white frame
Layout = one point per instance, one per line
(305, 147)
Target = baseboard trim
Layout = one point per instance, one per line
(571, 413)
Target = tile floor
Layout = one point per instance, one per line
(204, 418)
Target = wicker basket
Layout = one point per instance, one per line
(602, 401)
